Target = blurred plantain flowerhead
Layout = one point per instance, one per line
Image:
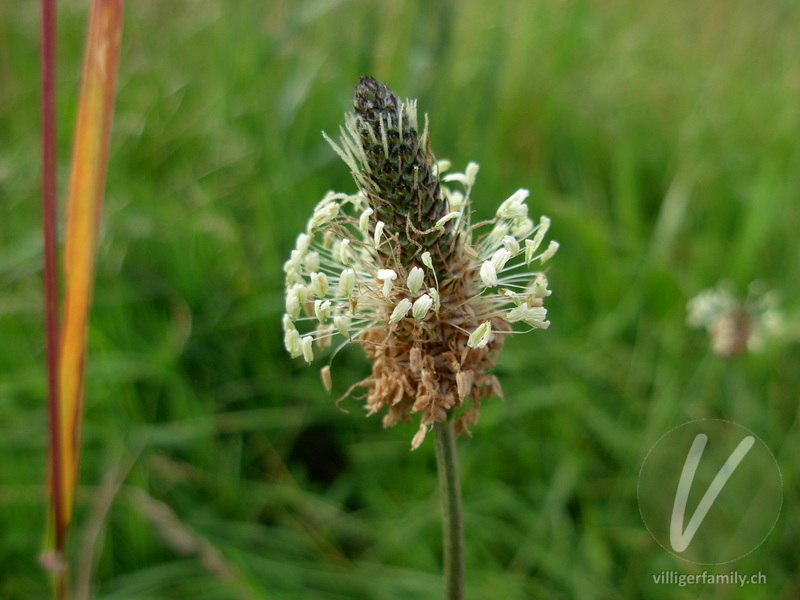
(399, 268)
(734, 326)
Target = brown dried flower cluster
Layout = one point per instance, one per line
(428, 366)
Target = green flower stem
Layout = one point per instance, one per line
(450, 486)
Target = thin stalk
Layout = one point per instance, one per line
(450, 487)
(49, 216)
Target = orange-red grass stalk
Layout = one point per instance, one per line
(49, 229)
(66, 340)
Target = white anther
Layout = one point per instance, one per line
(421, 307)
(415, 279)
(401, 310)
(480, 337)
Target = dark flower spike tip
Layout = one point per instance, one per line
(394, 168)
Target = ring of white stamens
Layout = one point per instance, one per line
(334, 280)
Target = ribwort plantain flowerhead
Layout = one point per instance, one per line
(399, 268)
(734, 326)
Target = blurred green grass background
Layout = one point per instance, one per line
(662, 140)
